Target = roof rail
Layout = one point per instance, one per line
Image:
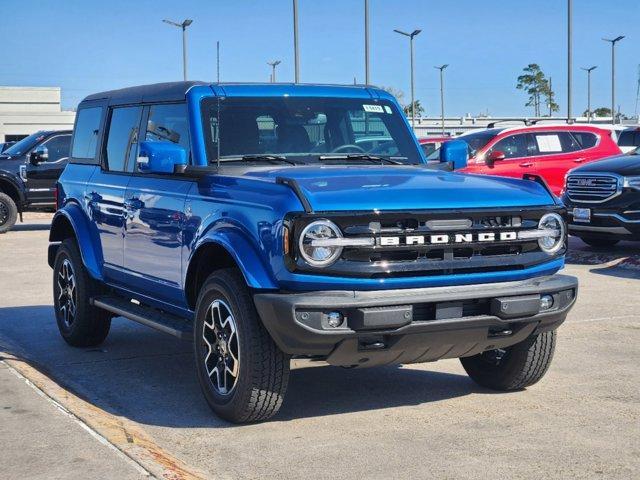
(523, 120)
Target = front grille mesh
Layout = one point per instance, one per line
(591, 188)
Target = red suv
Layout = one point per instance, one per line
(548, 151)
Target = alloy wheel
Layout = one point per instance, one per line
(4, 213)
(222, 352)
(67, 296)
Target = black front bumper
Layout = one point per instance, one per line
(414, 325)
(616, 218)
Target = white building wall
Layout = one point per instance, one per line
(25, 110)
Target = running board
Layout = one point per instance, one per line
(162, 321)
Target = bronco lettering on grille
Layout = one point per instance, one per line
(443, 239)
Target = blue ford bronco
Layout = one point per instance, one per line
(251, 220)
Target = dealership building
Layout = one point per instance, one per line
(25, 110)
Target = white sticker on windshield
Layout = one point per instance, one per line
(548, 143)
(373, 108)
(387, 109)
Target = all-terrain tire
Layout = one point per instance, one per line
(519, 366)
(8, 213)
(83, 325)
(600, 242)
(262, 372)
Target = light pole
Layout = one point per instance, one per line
(569, 58)
(411, 35)
(613, 75)
(366, 42)
(441, 68)
(274, 64)
(589, 70)
(296, 54)
(183, 26)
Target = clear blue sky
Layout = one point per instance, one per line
(86, 45)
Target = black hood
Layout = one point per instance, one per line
(625, 165)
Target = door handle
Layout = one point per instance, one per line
(578, 160)
(526, 164)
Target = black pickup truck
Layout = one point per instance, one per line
(29, 171)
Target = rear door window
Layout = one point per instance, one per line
(554, 143)
(122, 138)
(86, 133)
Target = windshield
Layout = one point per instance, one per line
(306, 130)
(24, 145)
(477, 140)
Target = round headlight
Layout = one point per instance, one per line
(553, 225)
(315, 243)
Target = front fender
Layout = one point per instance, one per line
(71, 219)
(243, 252)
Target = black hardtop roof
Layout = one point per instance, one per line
(157, 92)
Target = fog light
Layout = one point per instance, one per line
(334, 319)
(546, 302)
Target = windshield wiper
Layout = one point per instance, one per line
(360, 156)
(259, 158)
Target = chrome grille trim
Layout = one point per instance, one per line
(593, 187)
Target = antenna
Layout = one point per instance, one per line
(637, 93)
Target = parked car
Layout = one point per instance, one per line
(603, 200)
(430, 145)
(29, 170)
(178, 212)
(544, 150)
(629, 139)
(6, 145)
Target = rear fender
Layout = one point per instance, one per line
(71, 220)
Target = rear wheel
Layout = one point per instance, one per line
(8, 212)
(600, 242)
(242, 372)
(79, 323)
(515, 367)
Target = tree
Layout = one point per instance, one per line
(537, 86)
(418, 110)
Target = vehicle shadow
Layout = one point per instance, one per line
(622, 260)
(149, 377)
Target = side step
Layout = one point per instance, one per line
(165, 322)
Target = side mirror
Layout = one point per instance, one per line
(455, 153)
(160, 157)
(495, 156)
(38, 155)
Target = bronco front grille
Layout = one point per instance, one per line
(590, 188)
(428, 259)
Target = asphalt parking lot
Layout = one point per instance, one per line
(132, 407)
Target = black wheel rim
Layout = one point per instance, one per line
(221, 347)
(4, 213)
(495, 357)
(67, 295)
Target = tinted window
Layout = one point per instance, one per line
(122, 140)
(58, 147)
(512, 146)
(26, 144)
(169, 123)
(629, 138)
(85, 138)
(478, 140)
(585, 139)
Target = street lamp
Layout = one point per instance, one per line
(613, 75)
(366, 42)
(569, 59)
(183, 26)
(274, 64)
(411, 35)
(589, 70)
(441, 68)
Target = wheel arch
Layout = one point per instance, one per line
(11, 188)
(71, 222)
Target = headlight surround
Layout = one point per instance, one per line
(319, 255)
(554, 241)
(631, 182)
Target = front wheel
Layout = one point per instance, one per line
(242, 372)
(515, 367)
(8, 212)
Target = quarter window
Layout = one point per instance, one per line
(122, 140)
(58, 147)
(86, 133)
(585, 139)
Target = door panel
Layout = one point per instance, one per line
(153, 238)
(556, 153)
(42, 178)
